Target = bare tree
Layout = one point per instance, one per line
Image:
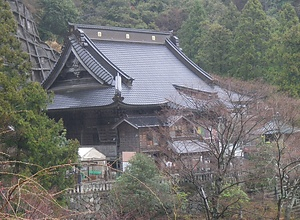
(282, 133)
(209, 158)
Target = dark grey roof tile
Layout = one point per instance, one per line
(141, 121)
(94, 66)
(155, 70)
(82, 98)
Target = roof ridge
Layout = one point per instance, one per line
(105, 59)
(48, 81)
(92, 26)
(97, 71)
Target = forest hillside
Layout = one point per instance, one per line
(245, 39)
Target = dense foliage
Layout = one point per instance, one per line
(247, 44)
(29, 140)
(54, 17)
(245, 39)
(141, 191)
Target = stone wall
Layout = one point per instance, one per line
(90, 200)
(90, 205)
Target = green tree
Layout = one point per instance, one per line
(250, 42)
(34, 137)
(214, 53)
(286, 20)
(29, 138)
(141, 190)
(231, 17)
(171, 19)
(215, 10)
(55, 16)
(234, 198)
(191, 31)
(112, 13)
(289, 80)
(206, 35)
(11, 57)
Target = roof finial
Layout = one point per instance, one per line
(118, 83)
(118, 88)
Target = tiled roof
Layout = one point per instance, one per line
(85, 58)
(48, 81)
(141, 121)
(97, 27)
(94, 97)
(277, 127)
(150, 72)
(92, 65)
(155, 70)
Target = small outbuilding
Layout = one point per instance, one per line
(93, 164)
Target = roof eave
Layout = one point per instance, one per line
(47, 83)
(188, 62)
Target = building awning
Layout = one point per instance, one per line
(90, 154)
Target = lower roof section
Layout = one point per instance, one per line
(86, 98)
(189, 146)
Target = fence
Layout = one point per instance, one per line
(92, 186)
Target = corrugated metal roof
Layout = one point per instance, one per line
(189, 146)
(277, 127)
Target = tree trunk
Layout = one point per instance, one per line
(289, 208)
(279, 203)
(206, 203)
(288, 212)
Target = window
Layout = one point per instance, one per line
(146, 139)
(178, 131)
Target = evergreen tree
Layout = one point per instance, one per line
(215, 10)
(141, 190)
(214, 53)
(250, 42)
(286, 19)
(11, 58)
(205, 37)
(231, 17)
(54, 18)
(290, 79)
(192, 31)
(28, 138)
(111, 13)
